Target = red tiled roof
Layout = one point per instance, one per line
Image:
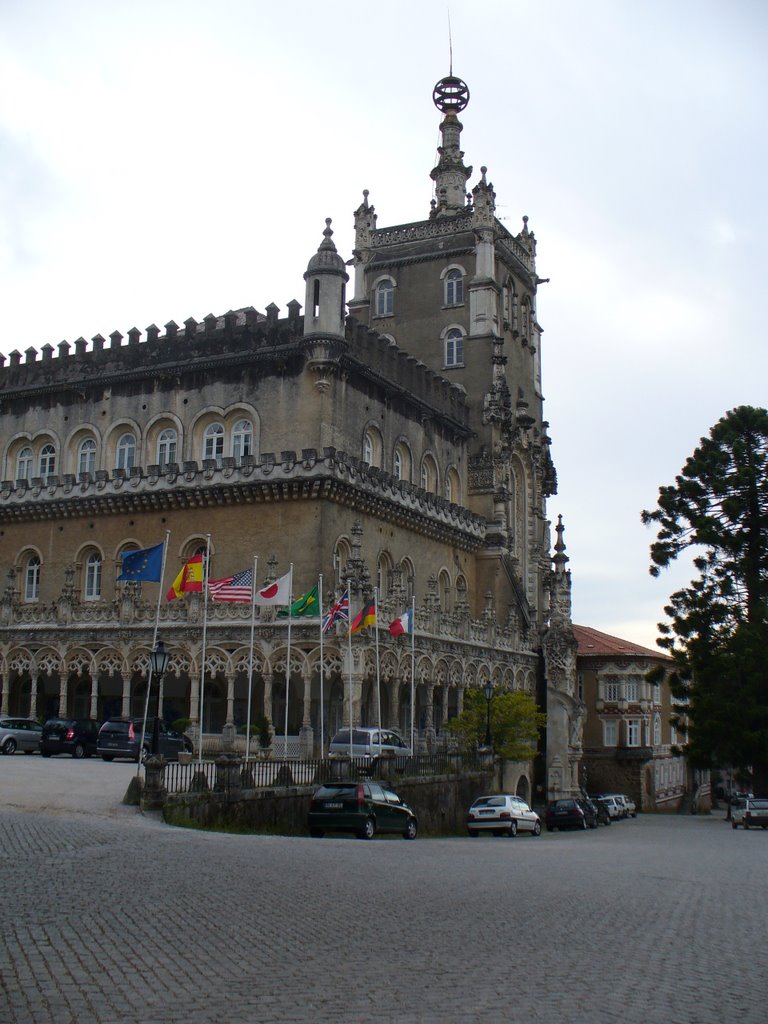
(593, 642)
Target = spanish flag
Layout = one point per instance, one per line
(365, 617)
(189, 580)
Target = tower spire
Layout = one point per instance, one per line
(450, 96)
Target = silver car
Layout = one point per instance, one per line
(502, 814)
(20, 734)
(749, 812)
(368, 744)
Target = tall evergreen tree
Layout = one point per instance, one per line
(718, 626)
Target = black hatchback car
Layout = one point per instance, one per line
(569, 813)
(75, 736)
(121, 737)
(364, 808)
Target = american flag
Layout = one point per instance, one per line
(339, 612)
(233, 588)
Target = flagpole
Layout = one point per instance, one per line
(288, 663)
(205, 634)
(250, 659)
(154, 644)
(378, 667)
(413, 665)
(349, 644)
(320, 602)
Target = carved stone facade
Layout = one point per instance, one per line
(402, 446)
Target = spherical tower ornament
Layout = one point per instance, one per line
(450, 95)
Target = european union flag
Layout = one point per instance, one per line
(146, 564)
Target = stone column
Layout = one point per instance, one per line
(94, 695)
(306, 733)
(429, 725)
(395, 687)
(126, 692)
(63, 690)
(230, 700)
(5, 684)
(33, 692)
(268, 700)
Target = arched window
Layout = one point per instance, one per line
(47, 460)
(213, 442)
(32, 579)
(24, 464)
(453, 486)
(401, 462)
(126, 452)
(385, 298)
(444, 590)
(408, 577)
(454, 288)
(525, 319)
(656, 730)
(429, 474)
(341, 556)
(454, 347)
(372, 447)
(242, 439)
(92, 588)
(384, 574)
(86, 459)
(166, 447)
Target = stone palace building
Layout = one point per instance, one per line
(393, 436)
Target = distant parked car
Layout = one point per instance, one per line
(570, 813)
(502, 814)
(75, 736)
(19, 734)
(630, 805)
(368, 744)
(363, 808)
(602, 809)
(749, 812)
(622, 801)
(121, 737)
(615, 807)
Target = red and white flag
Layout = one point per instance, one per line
(404, 624)
(278, 592)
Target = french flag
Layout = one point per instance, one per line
(402, 625)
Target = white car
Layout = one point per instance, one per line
(615, 806)
(502, 814)
(749, 813)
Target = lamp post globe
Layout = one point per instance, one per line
(488, 691)
(158, 660)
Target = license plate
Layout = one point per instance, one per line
(333, 807)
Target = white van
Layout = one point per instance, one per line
(368, 744)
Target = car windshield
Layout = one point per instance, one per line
(56, 723)
(359, 738)
(759, 805)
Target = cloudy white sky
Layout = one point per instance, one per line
(170, 158)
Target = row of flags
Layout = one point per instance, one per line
(146, 566)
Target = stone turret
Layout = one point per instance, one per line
(450, 95)
(326, 277)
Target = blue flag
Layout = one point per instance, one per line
(146, 564)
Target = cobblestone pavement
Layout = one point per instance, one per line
(115, 918)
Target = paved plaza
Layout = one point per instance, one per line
(109, 916)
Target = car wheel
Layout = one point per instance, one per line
(512, 830)
(107, 757)
(411, 829)
(368, 831)
(734, 825)
(537, 829)
(473, 832)
(316, 833)
(79, 751)
(9, 747)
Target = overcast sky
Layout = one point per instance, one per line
(161, 160)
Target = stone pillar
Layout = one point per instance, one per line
(429, 725)
(153, 793)
(6, 685)
(94, 695)
(33, 693)
(306, 733)
(231, 700)
(126, 710)
(268, 701)
(63, 690)
(395, 687)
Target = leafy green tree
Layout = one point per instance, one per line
(515, 723)
(717, 632)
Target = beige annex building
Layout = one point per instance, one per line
(390, 431)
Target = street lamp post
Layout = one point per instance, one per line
(159, 659)
(488, 690)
